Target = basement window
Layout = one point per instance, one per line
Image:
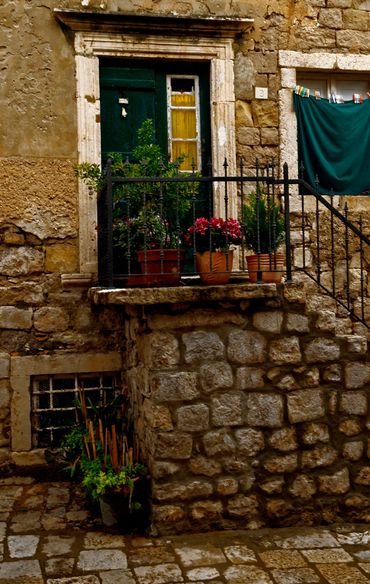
(54, 400)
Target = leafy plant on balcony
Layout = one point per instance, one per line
(263, 223)
(146, 215)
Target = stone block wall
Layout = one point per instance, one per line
(250, 413)
(39, 317)
(321, 27)
(350, 280)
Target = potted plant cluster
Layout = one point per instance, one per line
(148, 217)
(264, 231)
(213, 240)
(99, 454)
(151, 219)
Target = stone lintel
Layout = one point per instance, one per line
(174, 295)
(118, 22)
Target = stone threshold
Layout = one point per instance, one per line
(182, 293)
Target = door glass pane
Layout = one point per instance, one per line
(190, 151)
(183, 124)
(183, 99)
(183, 119)
(182, 84)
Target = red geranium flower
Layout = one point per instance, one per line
(214, 234)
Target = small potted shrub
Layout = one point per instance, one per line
(148, 218)
(99, 454)
(264, 231)
(213, 240)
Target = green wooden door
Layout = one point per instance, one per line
(127, 98)
(132, 91)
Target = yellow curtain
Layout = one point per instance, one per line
(184, 129)
(183, 99)
(190, 151)
(183, 124)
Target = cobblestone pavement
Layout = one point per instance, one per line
(47, 537)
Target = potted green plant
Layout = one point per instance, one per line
(99, 454)
(148, 217)
(213, 240)
(264, 230)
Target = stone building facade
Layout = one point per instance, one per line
(213, 446)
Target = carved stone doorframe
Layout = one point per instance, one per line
(213, 48)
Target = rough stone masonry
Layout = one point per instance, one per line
(250, 413)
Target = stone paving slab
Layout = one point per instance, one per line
(49, 537)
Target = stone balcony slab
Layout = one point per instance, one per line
(179, 294)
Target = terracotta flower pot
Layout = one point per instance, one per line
(271, 266)
(159, 269)
(214, 267)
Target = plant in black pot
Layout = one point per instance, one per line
(148, 217)
(264, 231)
(100, 455)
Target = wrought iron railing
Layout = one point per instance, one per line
(328, 245)
(334, 249)
(119, 268)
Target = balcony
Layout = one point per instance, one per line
(318, 241)
(142, 216)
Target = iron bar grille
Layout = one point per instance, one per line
(54, 400)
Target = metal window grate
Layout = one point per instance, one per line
(54, 398)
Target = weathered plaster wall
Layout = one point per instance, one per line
(251, 413)
(38, 146)
(38, 80)
(38, 65)
(38, 86)
(40, 197)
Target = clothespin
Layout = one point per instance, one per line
(357, 98)
(317, 94)
(302, 91)
(336, 98)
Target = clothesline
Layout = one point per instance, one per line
(333, 98)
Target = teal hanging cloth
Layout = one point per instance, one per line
(334, 144)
